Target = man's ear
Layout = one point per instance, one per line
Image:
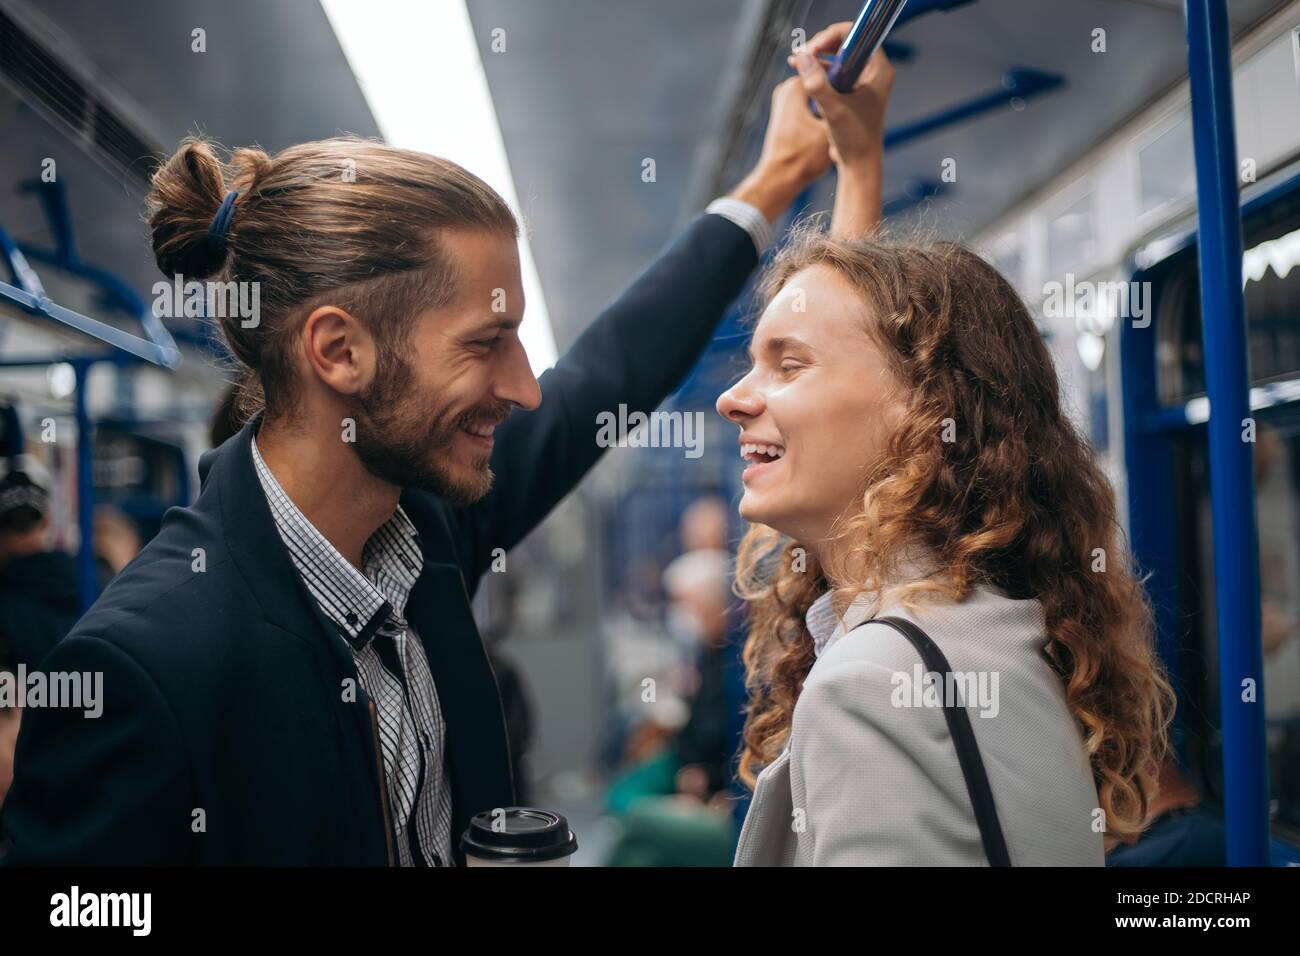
(339, 349)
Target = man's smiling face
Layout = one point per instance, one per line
(427, 419)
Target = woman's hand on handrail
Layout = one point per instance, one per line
(855, 127)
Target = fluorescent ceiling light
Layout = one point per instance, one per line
(418, 66)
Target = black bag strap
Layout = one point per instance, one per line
(963, 736)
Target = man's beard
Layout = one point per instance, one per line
(407, 445)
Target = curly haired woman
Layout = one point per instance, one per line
(909, 458)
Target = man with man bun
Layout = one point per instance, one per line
(291, 670)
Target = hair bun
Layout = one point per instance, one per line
(185, 194)
(249, 165)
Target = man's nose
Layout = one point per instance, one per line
(518, 384)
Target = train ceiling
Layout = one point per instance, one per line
(586, 90)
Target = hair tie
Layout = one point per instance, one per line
(221, 221)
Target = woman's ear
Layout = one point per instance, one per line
(340, 351)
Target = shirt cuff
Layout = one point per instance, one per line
(745, 216)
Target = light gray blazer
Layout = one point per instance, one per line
(870, 779)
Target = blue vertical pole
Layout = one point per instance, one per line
(85, 490)
(1232, 484)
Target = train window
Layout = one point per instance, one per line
(1271, 285)
(1006, 253)
(1092, 353)
(1277, 487)
(1165, 169)
(1271, 290)
(1072, 237)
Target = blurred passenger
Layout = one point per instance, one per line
(1279, 579)
(672, 798)
(909, 458)
(698, 585)
(1180, 831)
(670, 801)
(1279, 571)
(638, 650)
(704, 525)
(324, 576)
(38, 584)
(117, 542)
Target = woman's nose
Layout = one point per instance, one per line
(739, 403)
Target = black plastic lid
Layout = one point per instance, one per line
(522, 834)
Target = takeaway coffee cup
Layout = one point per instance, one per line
(518, 836)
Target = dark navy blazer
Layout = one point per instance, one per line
(226, 736)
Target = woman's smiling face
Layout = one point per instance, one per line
(816, 409)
